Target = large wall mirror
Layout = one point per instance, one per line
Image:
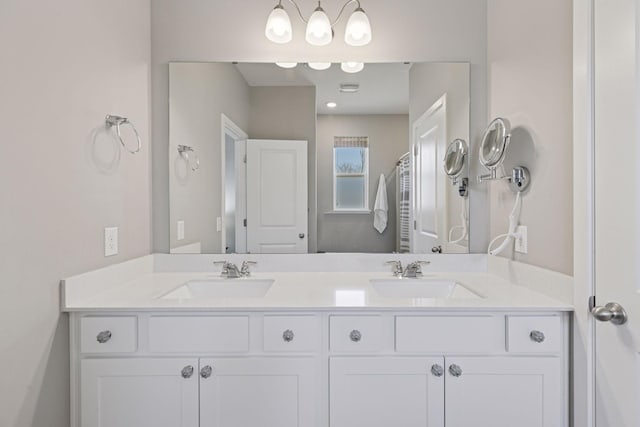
(268, 159)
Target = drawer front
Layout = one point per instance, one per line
(356, 334)
(534, 334)
(450, 334)
(291, 333)
(200, 334)
(116, 334)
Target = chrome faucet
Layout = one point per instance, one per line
(414, 269)
(396, 267)
(244, 270)
(229, 270)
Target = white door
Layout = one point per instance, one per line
(386, 392)
(617, 214)
(241, 196)
(430, 192)
(257, 392)
(139, 393)
(504, 392)
(277, 213)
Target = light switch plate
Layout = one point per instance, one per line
(180, 231)
(111, 241)
(521, 242)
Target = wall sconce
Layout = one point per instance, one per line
(319, 31)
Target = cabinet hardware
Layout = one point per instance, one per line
(288, 335)
(455, 370)
(537, 336)
(187, 371)
(437, 370)
(103, 337)
(355, 335)
(206, 371)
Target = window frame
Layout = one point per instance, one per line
(365, 208)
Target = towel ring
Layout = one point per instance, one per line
(184, 151)
(117, 121)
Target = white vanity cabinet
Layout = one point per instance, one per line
(417, 368)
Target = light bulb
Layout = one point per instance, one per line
(278, 28)
(331, 104)
(352, 67)
(358, 30)
(320, 66)
(319, 32)
(287, 64)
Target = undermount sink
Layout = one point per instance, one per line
(421, 288)
(221, 288)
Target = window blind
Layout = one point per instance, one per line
(350, 141)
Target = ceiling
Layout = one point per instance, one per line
(384, 87)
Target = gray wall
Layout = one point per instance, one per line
(65, 65)
(199, 94)
(428, 82)
(388, 140)
(530, 83)
(194, 30)
(289, 112)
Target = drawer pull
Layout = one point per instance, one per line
(455, 370)
(206, 371)
(537, 336)
(187, 371)
(288, 335)
(355, 335)
(437, 370)
(103, 337)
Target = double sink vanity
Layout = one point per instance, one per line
(314, 340)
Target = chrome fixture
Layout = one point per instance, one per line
(103, 337)
(537, 336)
(455, 370)
(288, 335)
(184, 151)
(396, 267)
(319, 31)
(244, 270)
(206, 371)
(493, 148)
(612, 312)
(454, 165)
(414, 269)
(355, 335)
(437, 370)
(229, 270)
(437, 249)
(112, 121)
(187, 372)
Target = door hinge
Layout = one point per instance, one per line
(415, 150)
(415, 225)
(244, 222)
(592, 302)
(244, 159)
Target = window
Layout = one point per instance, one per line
(351, 173)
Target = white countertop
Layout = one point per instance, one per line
(333, 291)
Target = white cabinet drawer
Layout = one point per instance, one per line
(291, 333)
(117, 334)
(450, 334)
(199, 334)
(534, 334)
(356, 334)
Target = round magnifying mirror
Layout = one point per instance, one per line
(454, 157)
(494, 143)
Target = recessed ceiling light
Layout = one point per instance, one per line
(352, 67)
(286, 64)
(320, 66)
(332, 104)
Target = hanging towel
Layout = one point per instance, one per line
(381, 207)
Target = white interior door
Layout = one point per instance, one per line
(241, 196)
(277, 212)
(429, 207)
(617, 214)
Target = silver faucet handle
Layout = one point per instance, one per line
(397, 267)
(225, 267)
(417, 266)
(244, 270)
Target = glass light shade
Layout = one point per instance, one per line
(358, 30)
(320, 66)
(287, 64)
(352, 67)
(278, 28)
(319, 31)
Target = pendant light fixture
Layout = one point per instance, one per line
(319, 66)
(319, 30)
(352, 67)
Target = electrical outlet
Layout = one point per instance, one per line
(521, 242)
(218, 224)
(180, 231)
(111, 241)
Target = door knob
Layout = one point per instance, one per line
(301, 235)
(612, 312)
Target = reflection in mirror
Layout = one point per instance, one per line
(304, 160)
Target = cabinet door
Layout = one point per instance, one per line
(258, 392)
(139, 393)
(386, 392)
(504, 392)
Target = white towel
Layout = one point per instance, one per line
(381, 207)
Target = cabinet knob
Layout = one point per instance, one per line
(437, 370)
(455, 370)
(355, 335)
(206, 371)
(187, 371)
(288, 335)
(537, 336)
(103, 337)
